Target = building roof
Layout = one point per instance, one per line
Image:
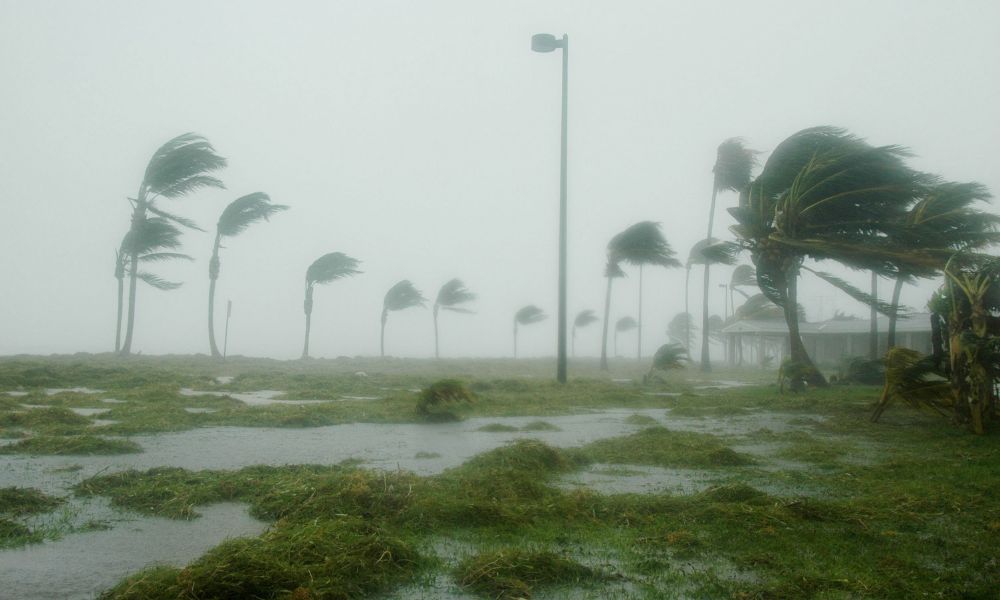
(912, 323)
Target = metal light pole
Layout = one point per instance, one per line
(546, 42)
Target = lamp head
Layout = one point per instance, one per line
(545, 42)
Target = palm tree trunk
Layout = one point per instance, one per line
(385, 317)
(604, 335)
(118, 321)
(307, 306)
(138, 217)
(897, 288)
(213, 275)
(638, 351)
(687, 311)
(706, 363)
(436, 353)
(797, 350)
(873, 324)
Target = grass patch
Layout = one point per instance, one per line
(643, 420)
(17, 502)
(515, 572)
(71, 445)
(662, 447)
(540, 426)
(497, 428)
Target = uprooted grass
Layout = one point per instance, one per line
(71, 445)
(516, 572)
(17, 502)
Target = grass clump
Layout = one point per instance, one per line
(71, 445)
(54, 418)
(516, 572)
(497, 428)
(333, 559)
(17, 502)
(442, 393)
(662, 447)
(423, 454)
(643, 420)
(540, 426)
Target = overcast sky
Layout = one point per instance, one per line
(423, 139)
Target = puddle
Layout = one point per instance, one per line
(105, 422)
(113, 401)
(661, 393)
(361, 397)
(641, 479)
(258, 398)
(75, 390)
(197, 411)
(224, 379)
(722, 384)
(90, 412)
(82, 565)
(17, 394)
(622, 380)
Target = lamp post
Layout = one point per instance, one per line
(546, 42)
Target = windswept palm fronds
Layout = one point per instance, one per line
(327, 268)
(401, 296)
(668, 357)
(450, 297)
(527, 315)
(583, 319)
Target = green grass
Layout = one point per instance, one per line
(71, 445)
(18, 502)
(663, 447)
(515, 572)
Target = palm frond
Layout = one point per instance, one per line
(330, 267)
(181, 166)
(401, 296)
(669, 357)
(642, 244)
(758, 308)
(452, 294)
(626, 324)
(157, 282)
(613, 269)
(734, 163)
(882, 307)
(162, 256)
(529, 314)
(724, 253)
(696, 255)
(245, 211)
(183, 221)
(151, 235)
(743, 275)
(584, 318)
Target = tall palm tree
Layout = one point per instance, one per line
(235, 219)
(945, 218)
(733, 165)
(695, 257)
(450, 296)
(178, 168)
(583, 318)
(612, 270)
(151, 242)
(622, 325)
(401, 296)
(825, 195)
(527, 315)
(642, 244)
(327, 268)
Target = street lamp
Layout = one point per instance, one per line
(546, 42)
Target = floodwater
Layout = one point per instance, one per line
(81, 564)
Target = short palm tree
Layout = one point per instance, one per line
(583, 319)
(151, 242)
(668, 357)
(450, 297)
(401, 296)
(235, 219)
(642, 244)
(621, 326)
(733, 164)
(327, 268)
(612, 270)
(181, 166)
(527, 315)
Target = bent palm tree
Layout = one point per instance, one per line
(327, 268)
(450, 296)
(177, 168)
(622, 325)
(583, 318)
(611, 271)
(642, 244)
(668, 357)
(401, 296)
(527, 315)
(695, 257)
(733, 165)
(235, 219)
(150, 243)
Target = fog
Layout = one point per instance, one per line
(423, 139)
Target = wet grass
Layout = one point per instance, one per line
(18, 502)
(662, 447)
(82, 445)
(511, 573)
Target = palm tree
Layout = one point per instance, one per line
(743, 276)
(450, 296)
(695, 257)
(733, 165)
(679, 328)
(642, 244)
(825, 195)
(327, 268)
(526, 316)
(178, 168)
(945, 218)
(668, 357)
(612, 270)
(622, 325)
(401, 296)
(150, 243)
(240, 214)
(583, 318)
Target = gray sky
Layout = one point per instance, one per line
(423, 139)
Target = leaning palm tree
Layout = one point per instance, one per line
(151, 242)
(327, 268)
(668, 357)
(583, 318)
(680, 327)
(611, 271)
(696, 256)
(450, 296)
(621, 326)
(527, 315)
(178, 168)
(401, 296)
(235, 219)
(733, 165)
(642, 244)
